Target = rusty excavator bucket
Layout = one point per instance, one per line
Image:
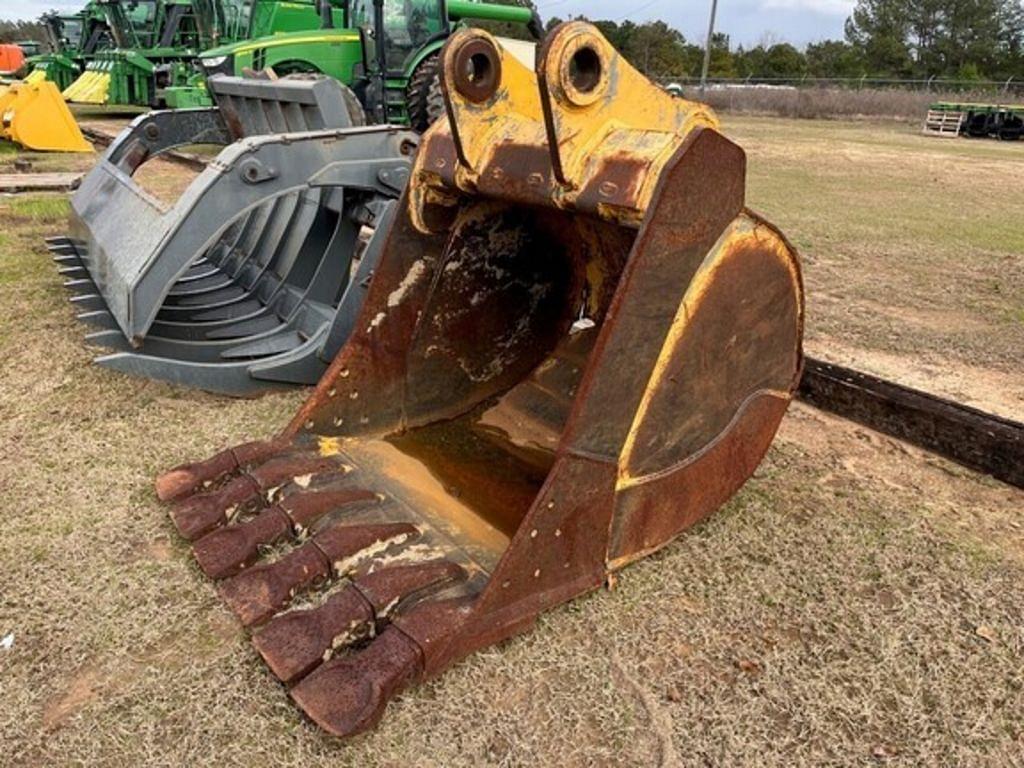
(578, 343)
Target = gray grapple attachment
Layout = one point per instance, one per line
(254, 276)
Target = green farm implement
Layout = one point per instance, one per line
(156, 41)
(401, 76)
(998, 121)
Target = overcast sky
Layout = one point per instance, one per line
(746, 21)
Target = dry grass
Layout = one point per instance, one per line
(912, 249)
(859, 603)
(835, 103)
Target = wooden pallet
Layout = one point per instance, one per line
(943, 122)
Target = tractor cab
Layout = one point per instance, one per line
(139, 25)
(63, 33)
(407, 26)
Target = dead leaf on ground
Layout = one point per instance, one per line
(750, 666)
(986, 632)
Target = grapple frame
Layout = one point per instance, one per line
(578, 343)
(244, 283)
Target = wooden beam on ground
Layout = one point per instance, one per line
(971, 437)
(39, 182)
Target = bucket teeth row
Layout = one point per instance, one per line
(294, 643)
(227, 550)
(347, 694)
(371, 574)
(258, 593)
(200, 514)
(188, 478)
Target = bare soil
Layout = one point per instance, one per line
(860, 602)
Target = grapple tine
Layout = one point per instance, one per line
(90, 302)
(83, 286)
(109, 339)
(257, 594)
(98, 318)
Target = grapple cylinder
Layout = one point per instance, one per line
(578, 343)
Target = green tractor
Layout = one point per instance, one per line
(73, 39)
(397, 81)
(228, 23)
(153, 62)
(156, 42)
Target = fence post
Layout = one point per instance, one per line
(1006, 86)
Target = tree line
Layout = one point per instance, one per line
(15, 31)
(916, 39)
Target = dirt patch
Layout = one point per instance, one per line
(83, 689)
(165, 180)
(990, 390)
(982, 510)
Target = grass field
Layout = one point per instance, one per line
(858, 603)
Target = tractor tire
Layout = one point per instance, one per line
(423, 95)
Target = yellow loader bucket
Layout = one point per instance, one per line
(92, 87)
(35, 76)
(36, 117)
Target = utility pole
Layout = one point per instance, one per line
(707, 47)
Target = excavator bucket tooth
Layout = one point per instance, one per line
(578, 342)
(35, 116)
(252, 279)
(296, 642)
